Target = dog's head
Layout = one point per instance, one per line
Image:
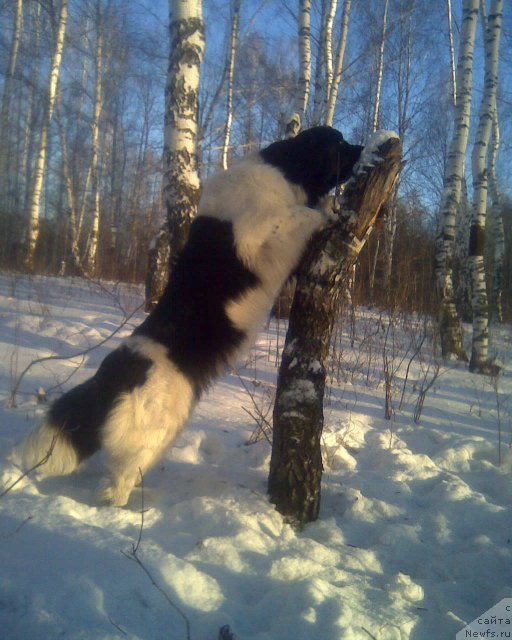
(317, 159)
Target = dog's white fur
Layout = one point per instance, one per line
(144, 422)
(43, 443)
(271, 225)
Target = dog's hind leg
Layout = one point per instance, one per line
(124, 474)
(142, 424)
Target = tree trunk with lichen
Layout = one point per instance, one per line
(181, 187)
(324, 273)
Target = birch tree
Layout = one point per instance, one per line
(405, 15)
(328, 62)
(375, 124)
(6, 99)
(71, 262)
(480, 343)
(332, 93)
(302, 93)
(328, 68)
(380, 68)
(37, 187)
(235, 26)
(91, 253)
(450, 326)
(181, 178)
(28, 134)
(452, 51)
(320, 71)
(497, 223)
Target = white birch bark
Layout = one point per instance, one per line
(329, 64)
(497, 222)
(380, 69)
(35, 203)
(450, 328)
(320, 70)
(91, 254)
(233, 41)
(480, 343)
(296, 120)
(340, 57)
(452, 51)
(34, 29)
(181, 185)
(181, 177)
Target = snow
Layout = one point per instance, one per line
(369, 155)
(414, 534)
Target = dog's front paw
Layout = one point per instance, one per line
(328, 207)
(112, 496)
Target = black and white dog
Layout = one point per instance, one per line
(252, 226)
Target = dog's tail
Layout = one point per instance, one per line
(69, 434)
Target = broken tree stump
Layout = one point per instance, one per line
(294, 483)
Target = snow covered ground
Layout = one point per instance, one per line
(414, 536)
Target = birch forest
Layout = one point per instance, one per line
(91, 162)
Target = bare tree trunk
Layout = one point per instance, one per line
(181, 179)
(76, 210)
(403, 93)
(373, 267)
(452, 51)
(390, 223)
(340, 57)
(324, 273)
(375, 124)
(6, 105)
(480, 344)
(329, 64)
(31, 113)
(380, 69)
(460, 254)
(302, 96)
(319, 83)
(35, 203)
(91, 254)
(233, 41)
(450, 326)
(71, 259)
(497, 222)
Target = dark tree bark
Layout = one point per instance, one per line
(296, 464)
(159, 257)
